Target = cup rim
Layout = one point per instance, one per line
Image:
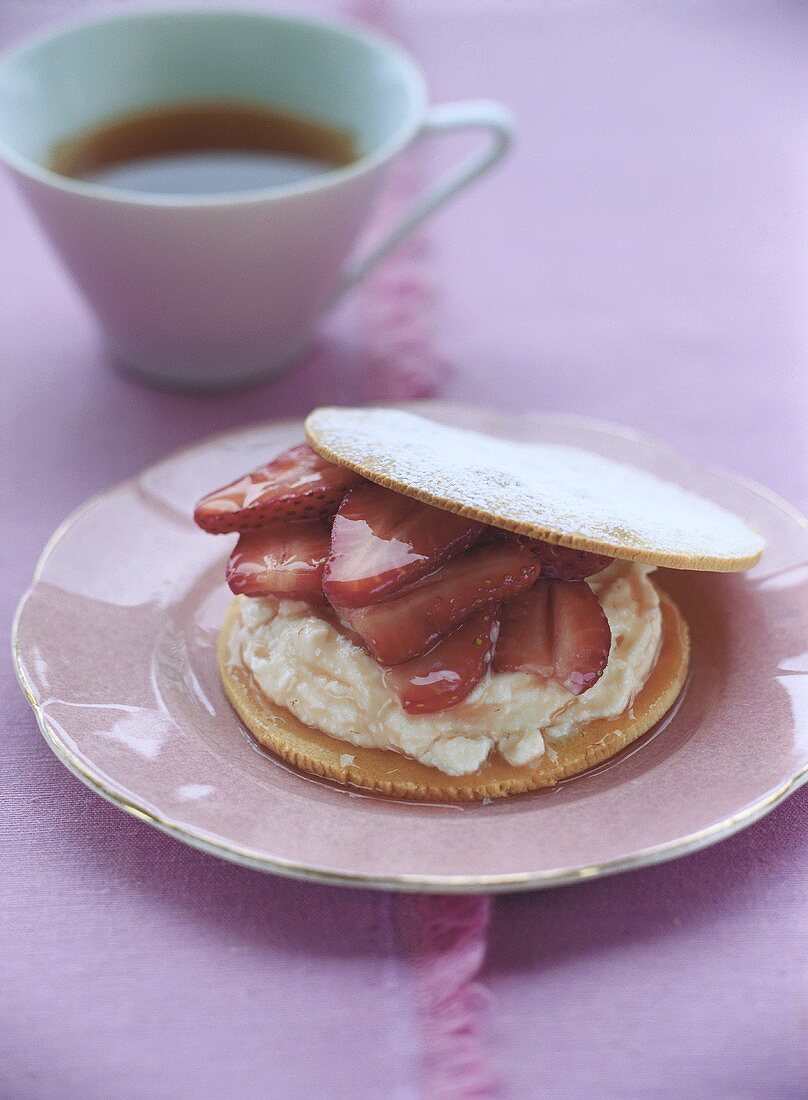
(392, 145)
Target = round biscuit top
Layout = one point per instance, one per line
(561, 494)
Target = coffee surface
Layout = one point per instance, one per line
(210, 147)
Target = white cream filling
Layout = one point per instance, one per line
(301, 662)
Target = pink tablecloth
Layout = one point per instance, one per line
(641, 258)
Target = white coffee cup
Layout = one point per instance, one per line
(215, 290)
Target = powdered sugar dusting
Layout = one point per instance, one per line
(563, 493)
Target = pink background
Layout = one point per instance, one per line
(640, 258)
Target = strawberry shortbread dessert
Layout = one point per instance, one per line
(433, 613)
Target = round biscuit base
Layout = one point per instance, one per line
(390, 773)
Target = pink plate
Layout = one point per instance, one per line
(114, 645)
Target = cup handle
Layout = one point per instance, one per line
(496, 120)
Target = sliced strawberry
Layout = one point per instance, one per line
(449, 672)
(401, 628)
(286, 560)
(564, 563)
(557, 630)
(496, 534)
(526, 637)
(382, 541)
(582, 636)
(296, 485)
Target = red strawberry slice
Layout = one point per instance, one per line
(382, 541)
(497, 534)
(401, 628)
(449, 672)
(296, 485)
(564, 563)
(557, 630)
(526, 638)
(285, 560)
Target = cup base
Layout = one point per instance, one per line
(210, 379)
